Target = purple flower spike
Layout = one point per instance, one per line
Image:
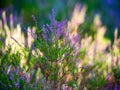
(52, 16)
(17, 71)
(17, 85)
(55, 28)
(11, 76)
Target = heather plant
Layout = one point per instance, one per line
(56, 57)
(14, 51)
(52, 62)
(57, 60)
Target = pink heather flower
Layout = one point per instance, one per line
(109, 77)
(68, 88)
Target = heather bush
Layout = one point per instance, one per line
(56, 57)
(48, 64)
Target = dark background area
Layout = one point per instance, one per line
(109, 10)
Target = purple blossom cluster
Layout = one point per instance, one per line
(74, 42)
(16, 74)
(55, 28)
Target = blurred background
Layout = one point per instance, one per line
(108, 10)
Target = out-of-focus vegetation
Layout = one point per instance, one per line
(107, 9)
(78, 49)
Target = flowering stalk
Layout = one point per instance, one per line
(54, 30)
